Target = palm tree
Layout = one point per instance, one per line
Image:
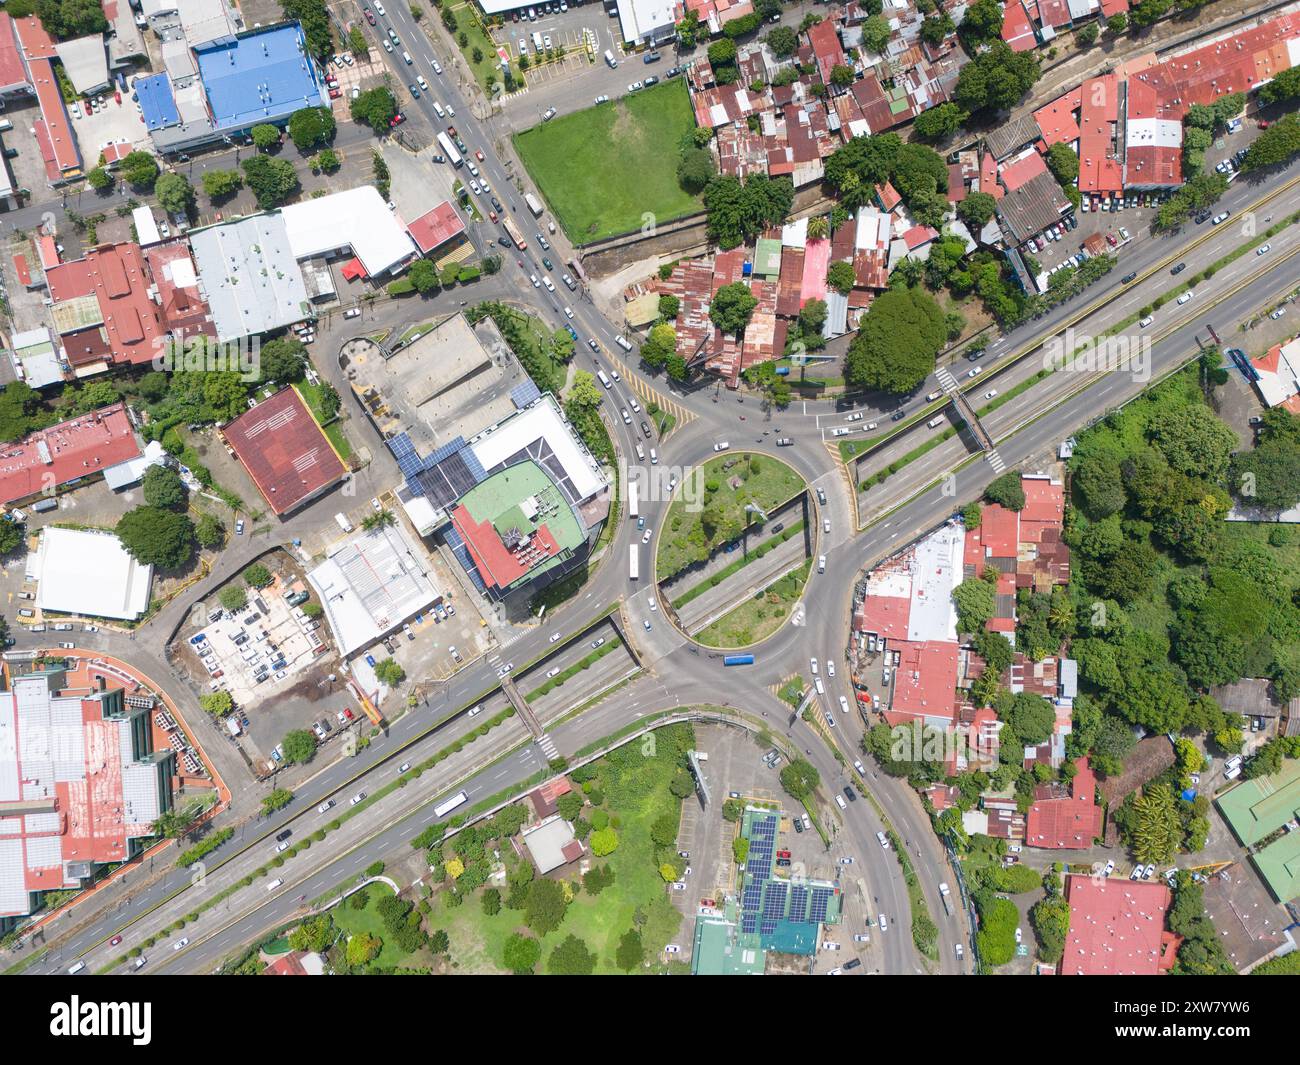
(818, 228)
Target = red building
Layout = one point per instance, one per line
(1117, 928)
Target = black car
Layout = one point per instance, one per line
(898, 416)
(284, 835)
(1127, 278)
(504, 242)
(1204, 216)
(853, 963)
(439, 158)
(497, 204)
(798, 824)
(1181, 266)
(645, 428)
(850, 794)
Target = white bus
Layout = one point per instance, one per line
(633, 562)
(449, 150)
(633, 509)
(446, 807)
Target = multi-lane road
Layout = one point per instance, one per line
(675, 671)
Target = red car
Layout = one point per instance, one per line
(492, 215)
(479, 156)
(335, 93)
(347, 713)
(115, 941)
(1111, 240)
(783, 854)
(1263, 123)
(397, 120)
(370, 16)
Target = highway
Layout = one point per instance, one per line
(675, 672)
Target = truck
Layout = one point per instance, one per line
(633, 504)
(449, 150)
(534, 204)
(633, 563)
(515, 235)
(344, 524)
(575, 264)
(946, 895)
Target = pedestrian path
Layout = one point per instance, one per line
(946, 380)
(548, 747)
(995, 460)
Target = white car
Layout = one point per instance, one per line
(958, 951)
(419, 80)
(1110, 868)
(1278, 313)
(535, 280)
(1020, 935)
(1185, 297)
(555, 636)
(181, 943)
(830, 667)
(672, 948)
(813, 666)
(990, 393)
(568, 312)
(976, 371)
(1264, 249)
(645, 539)
(358, 798)
(654, 606)
(550, 285)
(884, 924)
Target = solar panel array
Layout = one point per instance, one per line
(762, 846)
(798, 903)
(524, 394)
(821, 897)
(773, 906)
(461, 553)
(404, 452)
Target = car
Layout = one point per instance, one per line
(1020, 934)
(635, 85)
(957, 949)
(1145, 322)
(1278, 313)
(437, 69)
(555, 637)
(1110, 868)
(646, 538)
(380, 8)
(1127, 278)
(185, 942)
(392, 36)
(325, 807)
(651, 80)
(1220, 218)
(550, 285)
(1148, 871)
(679, 886)
(646, 624)
(115, 941)
(370, 16)
(599, 642)
(975, 371)
(850, 794)
(830, 945)
(1185, 297)
(550, 114)
(884, 923)
(722, 445)
(602, 99)
(67, 646)
(847, 860)
(239, 527)
(537, 283)
(1124, 234)
(358, 798)
(812, 664)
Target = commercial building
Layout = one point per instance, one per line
(53, 129)
(218, 84)
(81, 782)
(1277, 375)
(89, 573)
(1065, 816)
(648, 21)
(1117, 928)
(355, 221)
(66, 454)
(437, 230)
(284, 451)
(249, 276)
(371, 584)
(551, 844)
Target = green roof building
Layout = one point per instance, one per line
(1279, 866)
(1255, 809)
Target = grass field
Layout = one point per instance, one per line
(636, 142)
(762, 480)
(633, 784)
(368, 920)
(760, 616)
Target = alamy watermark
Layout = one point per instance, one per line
(1083, 353)
(198, 353)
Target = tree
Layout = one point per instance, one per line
(272, 181)
(222, 184)
(1007, 490)
(722, 53)
(1063, 163)
(1050, 918)
(800, 779)
(604, 842)
(975, 600)
(157, 537)
(571, 958)
(1087, 34)
(521, 954)
(732, 307)
(283, 359)
(897, 342)
(327, 161)
(218, 704)
(375, 108)
(140, 169)
(783, 41)
(1157, 827)
(209, 531)
(310, 126)
(390, 673)
(100, 179)
(1193, 440)
(175, 194)
(696, 170)
(545, 906)
(233, 597)
(982, 22)
(298, 746)
(163, 487)
(1031, 717)
(659, 345)
(938, 122)
(1275, 145)
(996, 79)
(875, 35)
(840, 277)
(424, 276)
(1117, 24)
(738, 212)
(265, 137)
(630, 953)
(257, 576)
(65, 19)
(977, 209)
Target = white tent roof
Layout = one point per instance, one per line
(90, 573)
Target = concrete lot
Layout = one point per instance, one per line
(113, 123)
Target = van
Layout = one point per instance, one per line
(839, 801)
(935, 422)
(821, 563)
(437, 107)
(537, 43)
(276, 883)
(600, 376)
(406, 58)
(76, 968)
(640, 453)
(622, 342)
(26, 613)
(610, 60)
(344, 524)
(821, 689)
(654, 457)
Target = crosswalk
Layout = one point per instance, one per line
(995, 460)
(649, 395)
(548, 747)
(946, 380)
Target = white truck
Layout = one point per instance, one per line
(344, 524)
(534, 204)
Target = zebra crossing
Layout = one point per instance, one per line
(548, 747)
(649, 395)
(946, 380)
(995, 460)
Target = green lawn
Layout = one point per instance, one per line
(687, 538)
(354, 922)
(633, 783)
(636, 142)
(760, 616)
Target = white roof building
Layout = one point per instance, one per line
(86, 63)
(84, 572)
(541, 431)
(646, 20)
(356, 220)
(370, 585)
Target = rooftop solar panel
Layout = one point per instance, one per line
(798, 904)
(524, 394)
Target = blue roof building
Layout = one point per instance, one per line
(262, 76)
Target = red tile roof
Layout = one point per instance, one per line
(53, 129)
(825, 40)
(925, 682)
(183, 308)
(1057, 119)
(284, 451)
(12, 71)
(115, 274)
(1022, 170)
(1065, 822)
(1117, 928)
(1017, 30)
(497, 564)
(62, 453)
(434, 228)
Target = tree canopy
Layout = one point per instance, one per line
(897, 342)
(157, 537)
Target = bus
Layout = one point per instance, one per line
(633, 563)
(515, 235)
(738, 660)
(446, 807)
(633, 509)
(449, 150)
